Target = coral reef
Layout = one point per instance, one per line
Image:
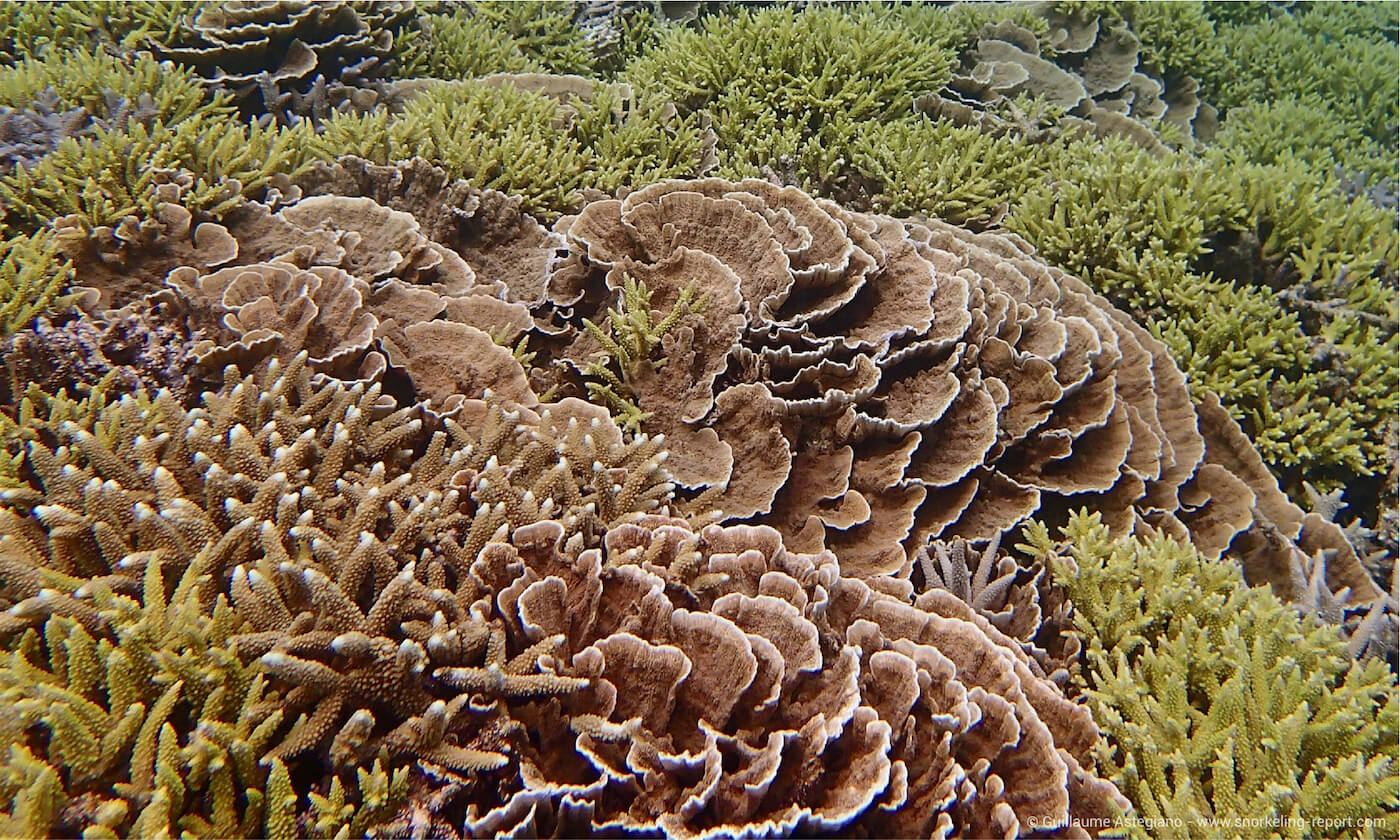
(1204, 267)
(391, 445)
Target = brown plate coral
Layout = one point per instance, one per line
(870, 384)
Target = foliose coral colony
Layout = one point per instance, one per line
(463, 420)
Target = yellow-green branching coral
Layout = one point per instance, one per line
(525, 143)
(499, 138)
(109, 686)
(956, 173)
(1100, 204)
(102, 180)
(1304, 128)
(780, 82)
(477, 39)
(631, 335)
(100, 82)
(32, 279)
(1338, 52)
(1226, 710)
(28, 29)
(639, 139)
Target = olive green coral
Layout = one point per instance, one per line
(28, 29)
(786, 84)
(519, 141)
(97, 81)
(956, 173)
(32, 277)
(477, 39)
(1227, 710)
(113, 175)
(1339, 52)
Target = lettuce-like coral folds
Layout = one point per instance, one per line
(866, 383)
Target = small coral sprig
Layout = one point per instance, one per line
(631, 335)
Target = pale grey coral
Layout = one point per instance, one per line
(28, 134)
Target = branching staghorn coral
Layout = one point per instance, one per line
(1341, 54)
(32, 278)
(479, 39)
(1221, 704)
(33, 28)
(160, 529)
(777, 98)
(960, 174)
(505, 136)
(102, 180)
(628, 341)
(96, 80)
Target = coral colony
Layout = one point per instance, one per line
(698, 420)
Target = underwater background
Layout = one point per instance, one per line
(546, 419)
